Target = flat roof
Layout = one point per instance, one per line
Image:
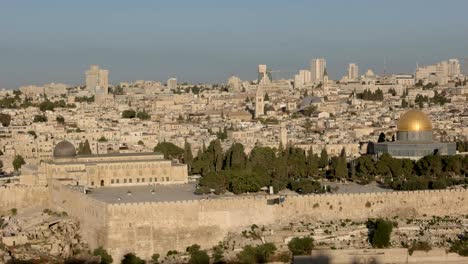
(183, 192)
(143, 193)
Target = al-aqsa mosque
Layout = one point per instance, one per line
(414, 138)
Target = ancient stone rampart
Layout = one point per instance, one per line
(90, 213)
(23, 197)
(147, 228)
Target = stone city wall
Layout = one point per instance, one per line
(22, 197)
(147, 228)
(90, 213)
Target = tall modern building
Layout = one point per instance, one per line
(465, 66)
(317, 69)
(454, 68)
(353, 72)
(97, 80)
(264, 76)
(172, 83)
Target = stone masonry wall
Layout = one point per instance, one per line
(147, 228)
(90, 213)
(22, 197)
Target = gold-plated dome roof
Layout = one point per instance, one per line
(414, 120)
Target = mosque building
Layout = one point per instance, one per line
(414, 139)
(121, 169)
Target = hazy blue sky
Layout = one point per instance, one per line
(208, 40)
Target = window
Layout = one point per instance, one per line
(130, 180)
(117, 180)
(167, 178)
(151, 179)
(138, 179)
(125, 180)
(112, 181)
(155, 179)
(142, 179)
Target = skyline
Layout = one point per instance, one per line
(208, 41)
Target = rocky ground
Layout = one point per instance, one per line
(34, 234)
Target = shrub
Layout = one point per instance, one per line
(155, 259)
(105, 257)
(197, 256)
(301, 246)
(172, 252)
(419, 246)
(258, 254)
(39, 118)
(131, 258)
(379, 232)
(129, 113)
(460, 246)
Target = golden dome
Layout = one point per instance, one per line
(414, 120)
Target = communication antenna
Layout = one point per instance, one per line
(385, 66)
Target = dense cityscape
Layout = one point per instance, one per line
(286, 167)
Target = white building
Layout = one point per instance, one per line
(172, 83)
(405, 80)
(302, 78)
(234, 83)
(353, 72)
(317, 69)
(97, 80)
(441, 72)
(264, 76)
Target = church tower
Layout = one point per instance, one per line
(283, 135)
(259, 104)
(325, 82)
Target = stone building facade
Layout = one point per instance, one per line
(120, 169)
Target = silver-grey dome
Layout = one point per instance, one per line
(64, 149)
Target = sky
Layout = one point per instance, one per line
(43, 41)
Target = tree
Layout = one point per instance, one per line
(18, 161)
(169, 150)
(312, 163)
(266, 97)
(382, 137)
(130, 113)
(143, 115)
(380, 232)
(258, 254)
(86, 149)
(105, 257)
(404, 103)
(60, 119)
(301, 246)
(102, 139)
(460, 245)
(197, 256)
(131, 258)
(155, 259)
(323, 161)
(188, 156)
(218, 254)
(39, 118)
(5, 119)
(235, 157)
